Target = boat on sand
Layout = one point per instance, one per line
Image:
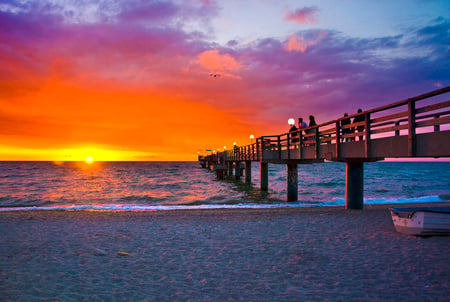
(422, 221)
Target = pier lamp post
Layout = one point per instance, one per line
(252, 137)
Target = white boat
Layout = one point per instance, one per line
(426, 221)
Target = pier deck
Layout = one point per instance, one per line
(411, 128)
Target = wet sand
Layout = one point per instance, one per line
(219, 255)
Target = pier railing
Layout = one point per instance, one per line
(414, 127)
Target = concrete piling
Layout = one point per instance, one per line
(354, 187)
(264, 171)
(237, 170)
(292, 181)
(248, 172)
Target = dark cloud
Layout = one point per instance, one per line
(148, 11)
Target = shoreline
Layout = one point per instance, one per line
(232, 209)
(307, 254)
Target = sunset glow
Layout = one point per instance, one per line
(160, 80)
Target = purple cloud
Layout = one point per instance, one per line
(148, 12)
(306, 15)
(130, 47)
(340, 74)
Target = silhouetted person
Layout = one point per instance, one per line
(345, 131)
(312, 123)
(301, 123)
(294, 134)
(357, 119)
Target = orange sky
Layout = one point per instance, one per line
(62, 121)
(152, 80)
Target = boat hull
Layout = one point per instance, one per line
(422, 221)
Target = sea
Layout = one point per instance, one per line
(164, 186)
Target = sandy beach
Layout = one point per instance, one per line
(319, 254)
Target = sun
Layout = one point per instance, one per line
(89, 160)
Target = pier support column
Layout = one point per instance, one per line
(248, 172)
(230, 168)
(292, 181)
(237, 170)
(219, 173)
(264, 169)
(354, 187)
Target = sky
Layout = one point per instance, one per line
(163, 79)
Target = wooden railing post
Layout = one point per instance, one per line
(317, 146)
(288, 144)
(411, 128)
(300, 144)
(338, 138)
(259, 142)
(253, 152)
(367, 142)
(397, 132)
(279, 146)
(437, 128)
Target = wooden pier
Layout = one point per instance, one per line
(412, 128)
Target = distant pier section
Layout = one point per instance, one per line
(412, 128)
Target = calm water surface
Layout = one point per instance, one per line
(174, 185)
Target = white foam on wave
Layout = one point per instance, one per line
(135, 207)
(341, 201)
(138, 207)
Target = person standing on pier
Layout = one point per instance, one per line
(293, 134)
(301, 123)
(312, 123)
(357, 119)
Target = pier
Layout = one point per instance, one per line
(417, 127)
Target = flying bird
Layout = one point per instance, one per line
(215, 75)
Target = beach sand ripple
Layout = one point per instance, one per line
(219, 255)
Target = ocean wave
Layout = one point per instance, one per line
(149, 184)
(227, 204)
(403, 200)
(139, 208)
